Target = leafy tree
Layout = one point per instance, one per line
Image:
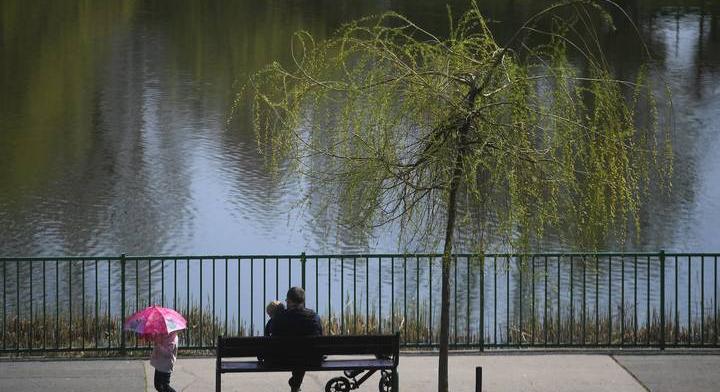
(407, 124)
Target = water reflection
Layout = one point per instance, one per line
(114, 138)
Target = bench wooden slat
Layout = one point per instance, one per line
(331, 365)
(320, 345)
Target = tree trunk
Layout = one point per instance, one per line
(448, 247)
(445, 297)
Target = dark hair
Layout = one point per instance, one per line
(297, 295)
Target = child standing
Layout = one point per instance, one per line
(163, 359)
(273, 308)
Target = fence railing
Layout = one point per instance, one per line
(654, 300)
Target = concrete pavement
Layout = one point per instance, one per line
(72, 376)
(501, 372)
(670, 373)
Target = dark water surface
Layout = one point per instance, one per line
(113, 133)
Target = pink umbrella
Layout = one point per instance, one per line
(155, 320)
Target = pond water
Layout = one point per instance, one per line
(114, 136)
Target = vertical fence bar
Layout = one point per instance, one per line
(329, 286)
(677, 311)
(214, 313)
(240, 292)
(597, 300)
(635, 287)
(622, 300)
(532, 305)
(689, 307)
(175, 282)
(342, 295)
(392, 294)
(520, 275)
(150, 300)
(559, 324)
(494, 296)
(264, 300)
(546, 303)
(30, 329)
(702, 300)
(109, 309)
(317, 286)
(277, 280)
(226, 298)
(507, 299)
(481, 332)
(584, 297)
(572, 301)
(82, 336)
(162, 281)
(405, 322)
(367, 295)
(648, 301)
(609, 300)
(379, 295)
(252, 295)
(355, 296)
(430, 322)
(70, 308)
(187, 303)
(455, 280)
(662, 299)
(137, 292)
(97, 306)
(467, 301)
(302, 270)
(417, 301)
(200, 321)
(5, 307)
(715, 304)
(44, 338)
(57, 304)
(122, 302)
(495, 341)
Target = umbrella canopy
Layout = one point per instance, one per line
(155, 320)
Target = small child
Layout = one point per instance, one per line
(272, 309)
(163, 359)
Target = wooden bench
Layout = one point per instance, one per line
(283, 354)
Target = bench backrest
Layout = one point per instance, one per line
(279, 346)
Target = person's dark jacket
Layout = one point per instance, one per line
(296, 322)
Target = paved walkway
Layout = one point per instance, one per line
(501, 372)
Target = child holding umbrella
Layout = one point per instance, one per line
(163, 359)
(159, 325)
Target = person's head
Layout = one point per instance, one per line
(273, 308)
(295, 297)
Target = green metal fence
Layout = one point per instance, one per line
(650, 300)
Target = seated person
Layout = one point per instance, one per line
(272, 309)
(297, 320)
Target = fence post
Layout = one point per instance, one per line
(302, 269)
(482, 303)
(478, 379)
(122, 303)
(662, 299)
